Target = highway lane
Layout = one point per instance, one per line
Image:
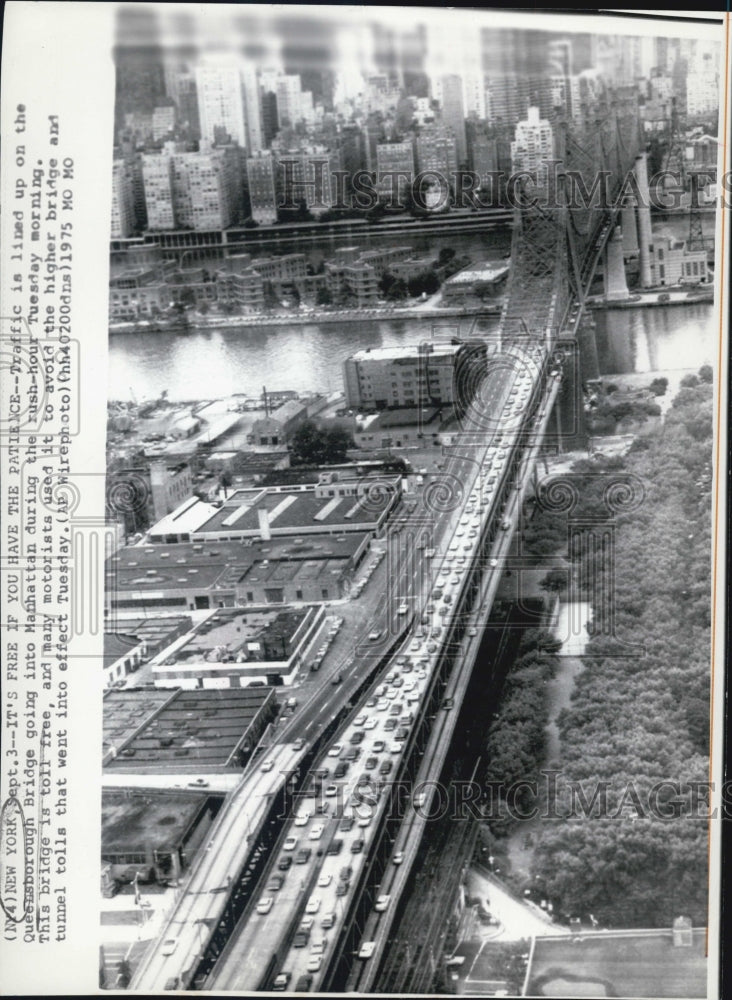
(237, 813)
(234, 972)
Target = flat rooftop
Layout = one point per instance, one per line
(217, 564)
(190, 731)
(436, 349)
(133, 821)
(488, 272)
(233, 629)
(289, 510)
(620, 964)
(123, 712)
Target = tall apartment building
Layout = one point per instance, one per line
(228, 105)
(221, 103)
(401, 376)
(702, 90)
(474, 94)
(533, 146)
(453, 112)
(507, 99)
(394, 171)
(289, 101)
(157, 173)
(191, 190)
(123, 209)
(163, 122)
(205, 192)
(436, 150)
(305, 175)
(262, 188)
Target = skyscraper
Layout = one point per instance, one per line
(533, 146)
(221, 103)
(262, 196)
(453, 113)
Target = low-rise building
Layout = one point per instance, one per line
(421, 375)
(411, 427)
(132, 642)
(672, 264)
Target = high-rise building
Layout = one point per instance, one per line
(507, 99)
(289, 100)
(262, 188)
(252, 111)
(192, 190)
(394, 171)
(436, 150)
(123, 211)
(270, 121)
(702, 90)
(221, 104)
(474, 94)
(453, 113)
(157, 173)
(533, 146)
(163, 122)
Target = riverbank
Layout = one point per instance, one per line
(654, 297)
(198, 321)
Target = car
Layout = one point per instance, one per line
(448, 703)
(328, 920)
(317, 947)
(343, 887)
(314, 963)
(303, 984)
(383, 704)
(367, 949)
(420, 799)
(370, 724)
(505, 525)
(301, 939)
(268, 765)
(316, 832)
(390, 724)
(265, 905)
(335, 750)
(345, 873)
(381, 903)
(385, 767)
(290, 844)
(357, 847)
(398, 681)
(364, 821)
(322, 808)
(493, 563)
(282, 981)
(337, 679)
(416, 645)
(335, 846)
(298, 744)
(391, 695)
(358, 736)
(395, 748)
(370, 763)
(472, 632)
(275, 883)
(436, 632)
(353, 753)
(324, 881)
(346, 823)
(303, 856)
(374, 636)
(285, 863)
(432, 647)
(360, 720)
(402, 609)
(306, 923)
(302, 819)
(342, 769)
(398, 858)
(379, 746)
(401, 733)
(313, 905)
(168, 946)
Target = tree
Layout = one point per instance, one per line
(445, 255)
(312, 445)
(706, 374)
(323, 296)
(397, 290)
(658, 386)
(689, 382)
(555, 581)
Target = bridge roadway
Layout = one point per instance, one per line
(378, 925)
(198, 910)
(248, 963)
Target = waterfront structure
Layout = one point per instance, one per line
(533, 146)
(401, 376)
(474, 283)
(672, 263)
(359, 272)
(278, 427)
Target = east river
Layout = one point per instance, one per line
(212, 363)
(209, 364)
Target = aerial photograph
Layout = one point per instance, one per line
(413, 347)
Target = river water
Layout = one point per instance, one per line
(209, 364)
